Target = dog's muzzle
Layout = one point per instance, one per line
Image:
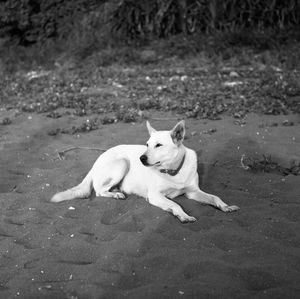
(144, 159)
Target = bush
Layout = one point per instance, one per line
(80, 28)
(139, 19)
(31, 21)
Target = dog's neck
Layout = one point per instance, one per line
(174, 171)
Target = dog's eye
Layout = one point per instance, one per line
(158, 145)
(147, 144)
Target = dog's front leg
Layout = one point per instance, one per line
(209, 199)
(158, 200)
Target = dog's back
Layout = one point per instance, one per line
(136, 173)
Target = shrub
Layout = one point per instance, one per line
(32, 21)
(139, 19)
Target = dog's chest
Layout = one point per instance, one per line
(172, 193)
(172, 189)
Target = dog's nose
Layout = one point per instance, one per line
(144, 159)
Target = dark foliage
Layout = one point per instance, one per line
(140, 19)
(267, 164)
(32, 21)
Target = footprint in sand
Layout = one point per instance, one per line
(27, 244)
(77, 213)
(107, 236)
(252, 277)
(205, 268)
(258, 280)
(32, 264)
(92, 237)
(131, 224)
(4, 234)
(6, 261)
(14, 221)
(77, 262)
(89, 235)
(114, 216)
(125, 222)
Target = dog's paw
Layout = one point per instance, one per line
(187, 219)
(230, 208)
(58, 197)
(119, 195)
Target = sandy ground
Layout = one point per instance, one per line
(106, 248)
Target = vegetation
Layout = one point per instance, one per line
(38, 20)
(120, 59)
(197, 85)
(163, 18)
(32, 21)
(267, 164)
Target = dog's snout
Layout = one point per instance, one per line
(144, 159)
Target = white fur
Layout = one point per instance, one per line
(121, 166)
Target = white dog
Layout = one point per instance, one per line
(160, 171)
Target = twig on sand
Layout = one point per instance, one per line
(163, 118)
(62, 153)
(218, 163)
(246, 167)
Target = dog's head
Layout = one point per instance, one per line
(163, 146)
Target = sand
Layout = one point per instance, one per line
(107, 248)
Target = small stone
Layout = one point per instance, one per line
(233, 74)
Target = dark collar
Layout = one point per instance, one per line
(173, 172)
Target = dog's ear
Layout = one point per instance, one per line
(150, 129)
(178, 132)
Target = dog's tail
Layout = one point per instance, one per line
(83, 190)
